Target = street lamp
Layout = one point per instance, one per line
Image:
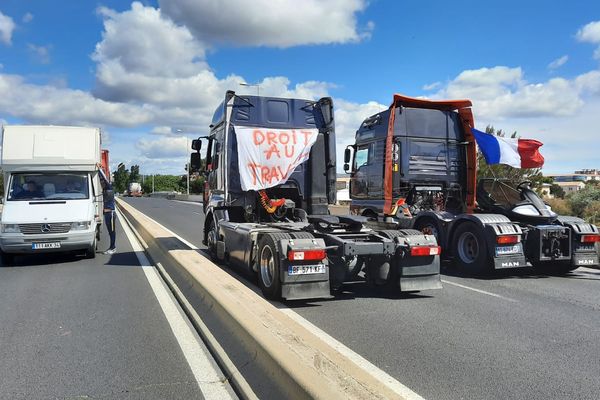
(187, 164)
(252, 84)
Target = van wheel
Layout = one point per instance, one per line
(7, 259)
(470, 249)
(91, 251)
(269, 277)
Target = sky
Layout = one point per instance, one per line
(151, 73)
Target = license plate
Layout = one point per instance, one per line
(306, 269)
(40, 246)
(503, 250)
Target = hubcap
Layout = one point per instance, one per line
(468, 247)
(267, 266)
(212, 240)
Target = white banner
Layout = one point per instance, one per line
(267, 156)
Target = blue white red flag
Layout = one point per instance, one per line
(518, 153)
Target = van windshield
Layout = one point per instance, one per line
(48, 186)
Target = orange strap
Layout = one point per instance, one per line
(387, 171)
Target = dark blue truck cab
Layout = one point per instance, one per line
(414, 166)
(285, 233)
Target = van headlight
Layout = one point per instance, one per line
(80, 225)
(10, 228)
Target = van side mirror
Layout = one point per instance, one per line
(195, 164)
(196, 144)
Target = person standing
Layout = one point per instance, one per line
(109, 211)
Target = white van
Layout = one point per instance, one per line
(52, 193)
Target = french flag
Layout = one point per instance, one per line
(518, 153)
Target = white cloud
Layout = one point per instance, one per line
(28, 17)
(559, 62)
(502, 92)
(41, 53)
(164, 147)
(432, 86)
(52, 105)
(590, 33)
(281, 23)
(7, 26)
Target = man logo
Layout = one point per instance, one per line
(45, 228)
(586, 262)
(511, 264)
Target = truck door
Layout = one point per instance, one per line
(360, 176)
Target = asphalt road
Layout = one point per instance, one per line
(74, 328)
(515, 335)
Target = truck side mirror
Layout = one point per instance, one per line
(195, 162)
(347, 155)
(196, 144)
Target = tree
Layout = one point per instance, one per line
(592, 212)
(121, 178)
(557, 191)
(134, 173)
(164, 183)
(513, 175)
(584, 197)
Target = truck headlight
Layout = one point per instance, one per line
(10, 228)
(80, 225)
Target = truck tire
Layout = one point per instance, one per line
(7, 259)
(554, 268)
(470, 249)
(211, 239)
(269, 278)
(428, 226)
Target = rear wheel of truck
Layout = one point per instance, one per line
(554, 268)
(269, 278)
(470, 249)
(7, 259)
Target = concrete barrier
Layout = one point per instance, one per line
(278, 349)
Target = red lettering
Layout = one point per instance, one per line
(271, 138)
(306, 136)
(271, 150)
(290, 153)
(264, 175)
(284, 138)
(253, 168)
(294, 136)
(258, 140)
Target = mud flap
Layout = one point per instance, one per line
(417, 272)
(302, 283)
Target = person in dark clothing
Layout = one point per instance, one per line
(109, 211)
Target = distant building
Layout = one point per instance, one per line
(342, 184)
(570, 187)
(583, 175)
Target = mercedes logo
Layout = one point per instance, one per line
(45, 228)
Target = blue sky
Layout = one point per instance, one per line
(151, 72)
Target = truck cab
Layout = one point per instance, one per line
(270, 176)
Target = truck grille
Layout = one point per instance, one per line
(36, 229)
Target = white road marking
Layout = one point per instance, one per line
(211, 381)
(195, 203)
(197, 213)
(479, 291)
(356, 358)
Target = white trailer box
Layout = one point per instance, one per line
(52, 193)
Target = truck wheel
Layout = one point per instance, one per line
(7, 259)
(269, 278)
(470, 249)
(554, 268)
(429, 227)
(211, 239)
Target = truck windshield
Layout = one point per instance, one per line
(49, 186)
